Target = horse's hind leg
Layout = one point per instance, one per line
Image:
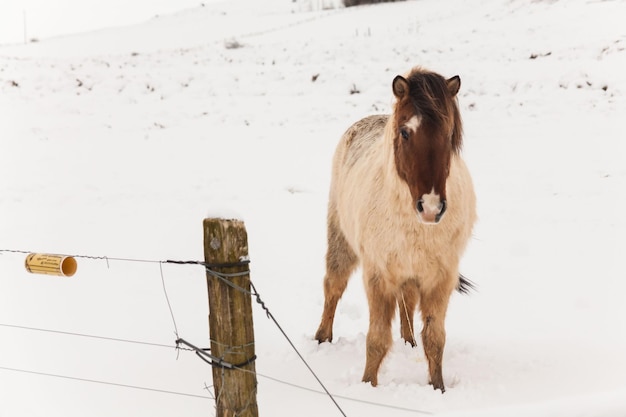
(407, 301)
(340, 263)
(433, 305)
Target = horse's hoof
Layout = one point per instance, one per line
(322, 337)
(410, 341)
(438, 386)
(373, 381)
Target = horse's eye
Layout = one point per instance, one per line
(404, 133)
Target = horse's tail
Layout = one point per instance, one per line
(465, 285)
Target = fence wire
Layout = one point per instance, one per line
(201, 352)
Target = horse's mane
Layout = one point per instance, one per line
(430, 95)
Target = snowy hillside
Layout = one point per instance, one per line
(119, 142)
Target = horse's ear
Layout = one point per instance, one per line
(400, 86)
(454, 84)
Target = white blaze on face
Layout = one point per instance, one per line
(432, 207)
(413, 123)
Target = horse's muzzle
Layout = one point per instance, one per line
(431, 209)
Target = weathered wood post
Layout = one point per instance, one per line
(230, 317)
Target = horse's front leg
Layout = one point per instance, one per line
(433, 305)
(382, 304)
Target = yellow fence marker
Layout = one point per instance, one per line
(43, 263)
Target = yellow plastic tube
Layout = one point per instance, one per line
(43, 263)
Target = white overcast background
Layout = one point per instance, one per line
(47, 18)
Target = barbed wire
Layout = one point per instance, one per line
(91, 336)
(160, 345)
(167, 299)
(103, 258)
(140, 260)
(206, 387)
(95, 381)
(343, 397)
(225, 278)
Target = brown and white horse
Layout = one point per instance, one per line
(402, 205)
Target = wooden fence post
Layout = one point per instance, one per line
(230, 318)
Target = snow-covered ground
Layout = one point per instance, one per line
(119, 142)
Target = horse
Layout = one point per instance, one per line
(402, 206)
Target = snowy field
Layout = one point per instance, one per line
(119, 142)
